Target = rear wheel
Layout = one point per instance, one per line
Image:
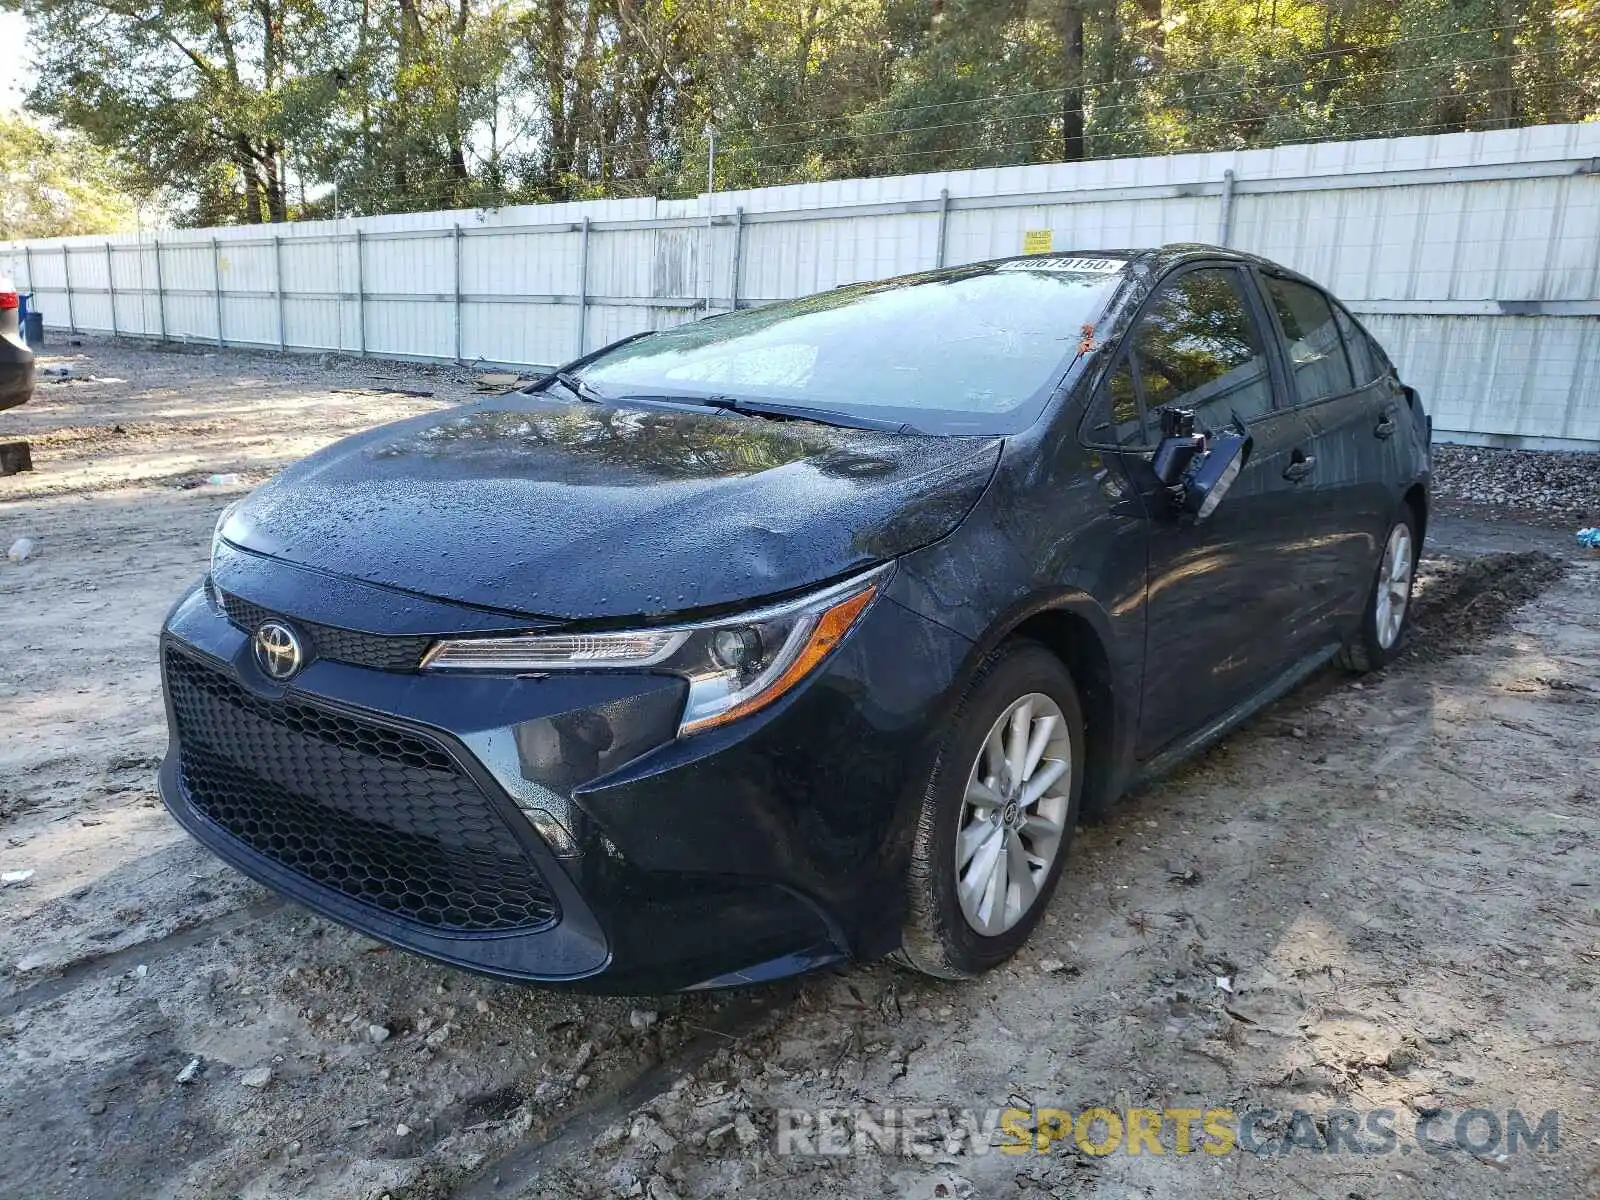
(1388, 611)
(997, 815)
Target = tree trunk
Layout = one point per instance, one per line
(584, 73)
(558, 156)
(401, 132)
(1150, 19)
(1072, 147)
(277, 184)
(250, 170)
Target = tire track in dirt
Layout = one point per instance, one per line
(84, 971)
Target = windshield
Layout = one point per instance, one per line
(974, 350)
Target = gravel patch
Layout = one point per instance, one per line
(1545, 486)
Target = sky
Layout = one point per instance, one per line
(13, 59)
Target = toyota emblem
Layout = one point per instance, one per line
(278, 650)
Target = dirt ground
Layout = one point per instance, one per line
(1381, 894)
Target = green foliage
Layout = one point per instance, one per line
(254, 110)
(55, 185)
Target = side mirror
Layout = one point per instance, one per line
(1212, 473)
(1198, 469)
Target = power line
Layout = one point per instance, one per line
(1287, 61)
(1093, 110)
(1171, 145)
(1189, 73)
(1294, 140)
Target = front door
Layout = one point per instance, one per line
(1224, 596)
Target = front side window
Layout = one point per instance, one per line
(975, 350)
(1114, 417)
(1198, 347)
(1312, 341)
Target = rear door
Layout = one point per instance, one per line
(1223, 595)
(1337, 387)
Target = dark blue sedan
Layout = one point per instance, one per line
(801, 634)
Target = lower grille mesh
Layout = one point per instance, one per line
(384, 817)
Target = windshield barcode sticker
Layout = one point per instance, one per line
(1100, 265)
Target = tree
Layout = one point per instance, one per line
(397, 105)
(190, 92)
(56, 184)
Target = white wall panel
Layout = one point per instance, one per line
(1475, 257)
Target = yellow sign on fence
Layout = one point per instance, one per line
(1037, 241)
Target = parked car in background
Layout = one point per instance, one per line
(798, 634)
(16, 360)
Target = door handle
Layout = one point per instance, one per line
(1301, 466)
(1386, 426)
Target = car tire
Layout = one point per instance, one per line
(1387, 613)
(964, 790)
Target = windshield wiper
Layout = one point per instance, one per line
(582, 390)
(772, 411)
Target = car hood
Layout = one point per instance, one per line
(585, 511)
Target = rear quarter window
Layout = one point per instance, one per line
(1366, 359)
(1312, 340)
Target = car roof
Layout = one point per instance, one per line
(1150, 262)
(1158, 258)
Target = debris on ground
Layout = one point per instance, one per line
(1555, 487)
(1589, 538)
(381, 391)
(190, 1072)
(499, 381)
(15, 458)
(21, 550)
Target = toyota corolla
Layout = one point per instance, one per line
(796, 635)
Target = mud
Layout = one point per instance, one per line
(1394, 875)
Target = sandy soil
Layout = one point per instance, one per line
(1395, 877)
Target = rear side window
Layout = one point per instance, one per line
(1312, 341)
(1198, 347)
(1366, 360)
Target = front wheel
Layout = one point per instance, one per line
(997, 815)
(1388, 611)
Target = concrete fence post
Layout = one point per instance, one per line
(944, 227)
(583, 287)
(736, 268)
(66, 272)
(455, 272)
(361, 297)
(161, 295)
(277, 288)
(1225, 220)
(216, 287)
(111, 288)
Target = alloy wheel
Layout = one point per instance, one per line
(1013, 814)
(1394, 587)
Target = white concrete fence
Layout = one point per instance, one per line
(1474, 257)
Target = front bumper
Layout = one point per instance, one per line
(554, 829)
(16, 377)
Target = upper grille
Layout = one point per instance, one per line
(373, 650)
(386, 817)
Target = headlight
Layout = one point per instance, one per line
(734, 666)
